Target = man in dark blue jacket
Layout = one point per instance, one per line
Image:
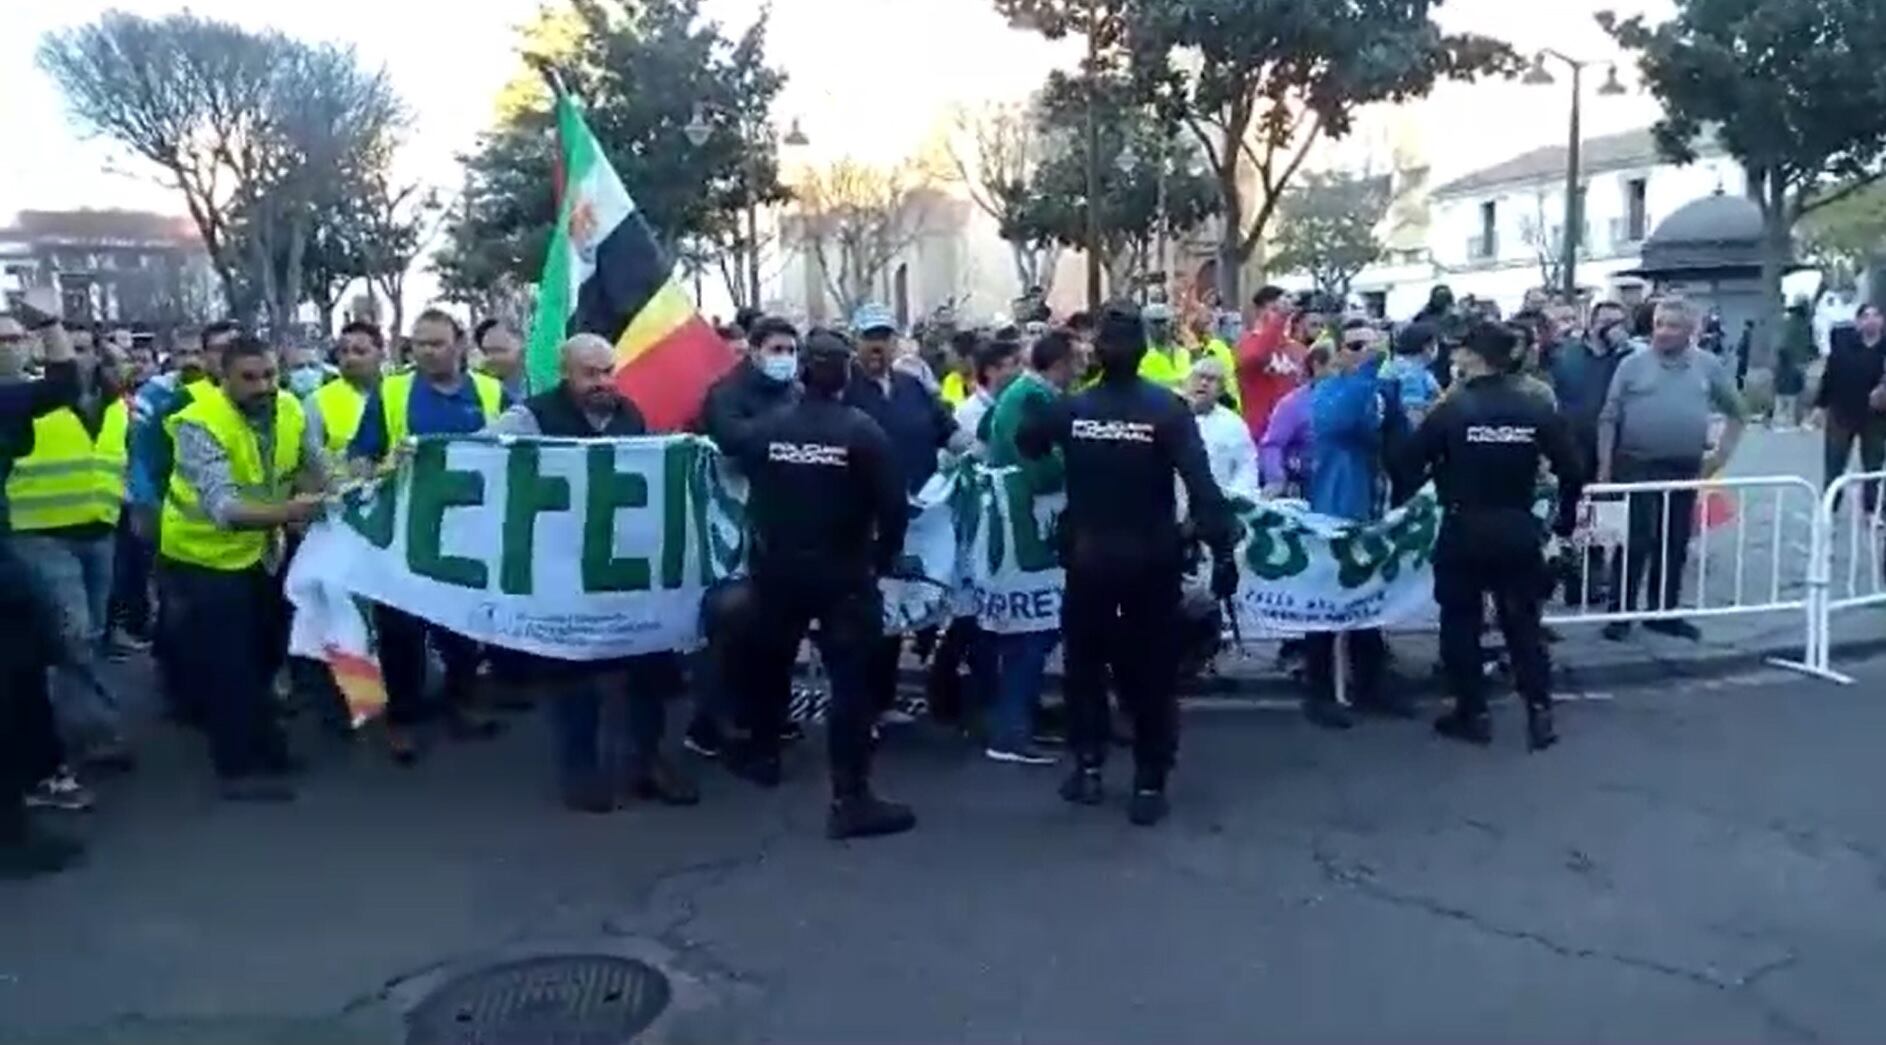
(917, 424)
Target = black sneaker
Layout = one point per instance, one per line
(34, 852)
(663, 783)
(1617, 631)
(590, 794)
(261, 790)
(1540, 731)
(1084, 787)
(867, 816)
(1147, 807)
(464, 726)
(703, 739)
(759, 770)
(1676, 629)
(1328, 714)
(1476, 729)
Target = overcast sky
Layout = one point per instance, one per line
(873, 79)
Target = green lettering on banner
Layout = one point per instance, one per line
(1411, 536)
(725, 555)
(1032, 554)
(527, 494)
(437, 489)
(1359, 553)
(610, 491)
(699, 477)
(371, 512)
(1276, 550)
(677, 461)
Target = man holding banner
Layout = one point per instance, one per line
(1123, 441)
(585, 405)
(436, 398)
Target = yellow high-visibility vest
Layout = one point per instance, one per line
(954, 389)
(1167, 370)
(340, 405)
(70, 478)
(396, 397)
(187, 534)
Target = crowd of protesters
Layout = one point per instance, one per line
(1294, 398)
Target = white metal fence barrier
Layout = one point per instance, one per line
(1674, 550)
(1848, 559)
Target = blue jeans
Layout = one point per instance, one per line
(600, 723)
(1021, 664)
(77, 577)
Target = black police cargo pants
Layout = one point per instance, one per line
(231, 637)
(850, 618)
(1126, 621)
(1515, 582)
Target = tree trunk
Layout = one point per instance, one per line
(1777, 230)
(1231, 237)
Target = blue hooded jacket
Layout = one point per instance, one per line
(1347, 415)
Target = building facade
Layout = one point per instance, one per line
(110, 266)
(1498, 232)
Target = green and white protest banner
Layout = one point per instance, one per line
(1298, 571)
(596, 549)
(575, 550)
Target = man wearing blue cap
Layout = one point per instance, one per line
(918, 426)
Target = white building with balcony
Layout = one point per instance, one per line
(1498, 232)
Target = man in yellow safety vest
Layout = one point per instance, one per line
(437, 397)
(335, 408)
(65, 499)
(242, 452)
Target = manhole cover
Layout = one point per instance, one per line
(571, 1000)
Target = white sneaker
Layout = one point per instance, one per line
(1023, 757)
(60, 791)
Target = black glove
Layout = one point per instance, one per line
(1224, 577)
(1565, 525)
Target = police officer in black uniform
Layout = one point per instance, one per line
(1482, 445)
(827, 513)
(1124, 551)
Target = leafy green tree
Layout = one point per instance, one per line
(1794, 89)
(1848, 235)
(1128, 206)
(1259, 82)
(1326, 227)
(644, 72)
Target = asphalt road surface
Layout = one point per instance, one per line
(1701, 863)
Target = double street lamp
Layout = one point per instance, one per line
(698, 131)
(1539, 75)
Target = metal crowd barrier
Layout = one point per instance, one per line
(1735, 523)
(1848, 536)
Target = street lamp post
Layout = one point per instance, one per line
(1093, 159)
(1574, 217)
(698, 131)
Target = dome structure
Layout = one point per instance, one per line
(1718, 234)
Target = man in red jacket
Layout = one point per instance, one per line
(1270, 365)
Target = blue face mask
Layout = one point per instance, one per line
(781, 368)
(305, 380)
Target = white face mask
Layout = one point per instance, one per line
(781, 368)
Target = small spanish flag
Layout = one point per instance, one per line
(606, 275)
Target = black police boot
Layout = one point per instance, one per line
(1148, 805)
(1468, 727)
(1540, 732)
(1326, 713)
(1084, 786)
(27, 851)
(755, 765)
(864, 815)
